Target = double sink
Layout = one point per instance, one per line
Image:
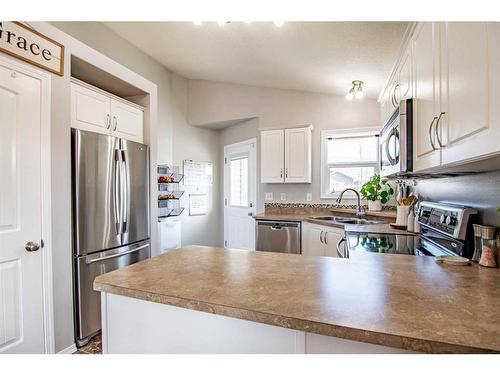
(348, 220)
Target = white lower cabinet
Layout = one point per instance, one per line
(320, 240)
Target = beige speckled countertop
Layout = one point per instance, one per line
(394, 300)
(307, 217)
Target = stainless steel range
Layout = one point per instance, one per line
(446, 230)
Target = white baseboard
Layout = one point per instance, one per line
(69, 350)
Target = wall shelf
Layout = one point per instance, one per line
(169, 192)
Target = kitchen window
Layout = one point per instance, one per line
(348, 160)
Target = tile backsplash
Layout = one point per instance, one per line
(480, 191)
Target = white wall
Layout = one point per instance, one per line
(196, 144)
(212, 102)
(171, 115)
(180, 103)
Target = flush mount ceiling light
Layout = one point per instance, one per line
(356, 90)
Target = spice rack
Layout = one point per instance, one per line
(169, 192)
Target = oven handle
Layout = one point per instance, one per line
(117, 255)
(339, 242)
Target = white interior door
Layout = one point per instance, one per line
(240, 172)
(21, 277)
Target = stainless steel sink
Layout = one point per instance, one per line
(348, 220)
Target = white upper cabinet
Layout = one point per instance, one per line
(466, 128)
(272, 156)
(426, 96)
(90, 110)
(493, 140)
(404, 83)
(286, 155)
(298, 155)
(452, 72)
(127, 121)
(99, 112)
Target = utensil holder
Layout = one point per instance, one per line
(402, 215)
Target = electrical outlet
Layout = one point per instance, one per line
(269, 196)
(283, 196)
(309, 197)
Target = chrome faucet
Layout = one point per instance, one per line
(360, 211)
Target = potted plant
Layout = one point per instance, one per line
(376, 192)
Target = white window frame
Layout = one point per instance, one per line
(341, 133)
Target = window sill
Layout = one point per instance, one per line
(348, 195)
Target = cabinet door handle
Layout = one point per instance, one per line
(281, 173)
(325, 237)
(108, 121)
(115, 123)
(321, 237)
(436, 130)
(286, 172)
(430, 134)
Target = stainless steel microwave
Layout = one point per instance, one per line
(396, 142)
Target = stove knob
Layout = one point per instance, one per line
(442, 219)
(450, 220)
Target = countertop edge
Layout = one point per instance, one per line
(343, 332)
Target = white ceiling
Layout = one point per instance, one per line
(311, 56)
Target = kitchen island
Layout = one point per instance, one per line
(212, 300)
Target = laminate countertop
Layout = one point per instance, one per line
(308, 217)
(400, 301)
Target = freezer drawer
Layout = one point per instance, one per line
(87, 268)
(278, 236)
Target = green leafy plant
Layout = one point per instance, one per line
(376, 189)
(377, 244)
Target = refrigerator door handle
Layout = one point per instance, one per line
(117, 194)
(100, 259)
(125, 196)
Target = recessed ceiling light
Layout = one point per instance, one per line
(279, 23)
(222, 23)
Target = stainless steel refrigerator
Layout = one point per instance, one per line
(110, 183)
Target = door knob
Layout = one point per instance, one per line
(31, 246)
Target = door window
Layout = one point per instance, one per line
(239, 181)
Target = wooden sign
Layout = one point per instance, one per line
(29, 45)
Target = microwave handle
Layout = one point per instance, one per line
(392, 160)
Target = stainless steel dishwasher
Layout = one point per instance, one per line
(278, 236)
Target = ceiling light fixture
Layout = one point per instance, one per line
(356, 90)
(222, 23)
(279, 23)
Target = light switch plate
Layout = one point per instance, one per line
(309, 197)
(283, 196)
(269, 196)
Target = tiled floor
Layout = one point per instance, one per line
(94, 346)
